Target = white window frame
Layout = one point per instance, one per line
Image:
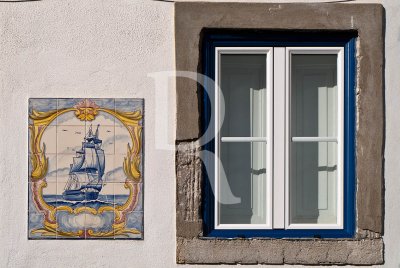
(268, 51)
(339, 51)
(278, 140)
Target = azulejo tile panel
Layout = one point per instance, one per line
(85, 168)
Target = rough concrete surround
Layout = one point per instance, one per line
(310, 252)
(367, 246)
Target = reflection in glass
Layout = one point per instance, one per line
(313, 165)
(245, 167)
(314, 96)
(243, 85)
(313, 182)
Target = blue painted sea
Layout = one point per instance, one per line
(102, 200)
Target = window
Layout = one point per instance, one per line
(284, 142)
(263, 25)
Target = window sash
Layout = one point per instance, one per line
(339, 51)
(268, 52)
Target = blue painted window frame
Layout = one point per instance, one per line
(211, 39)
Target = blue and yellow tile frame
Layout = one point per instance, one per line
(85, 169)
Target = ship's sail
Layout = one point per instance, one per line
(77, 163)
(91, 162)
(102, 162)
(88, 165)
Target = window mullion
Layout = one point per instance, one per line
(279, 138)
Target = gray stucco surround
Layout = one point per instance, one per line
(367, 246)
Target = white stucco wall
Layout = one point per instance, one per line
(392, 143)
(83, 49)
(103, 48)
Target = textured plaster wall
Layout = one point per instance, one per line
(104, 48)
(83, 49)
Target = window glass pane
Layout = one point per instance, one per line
(243, 83)
(313, 182)
(245, 168)
(314, 95)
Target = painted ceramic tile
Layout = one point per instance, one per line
(85, 169)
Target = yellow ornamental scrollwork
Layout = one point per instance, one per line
(38, 151)
(85, 110)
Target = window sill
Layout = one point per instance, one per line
(208, 250)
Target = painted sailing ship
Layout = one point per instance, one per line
(87, 169)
